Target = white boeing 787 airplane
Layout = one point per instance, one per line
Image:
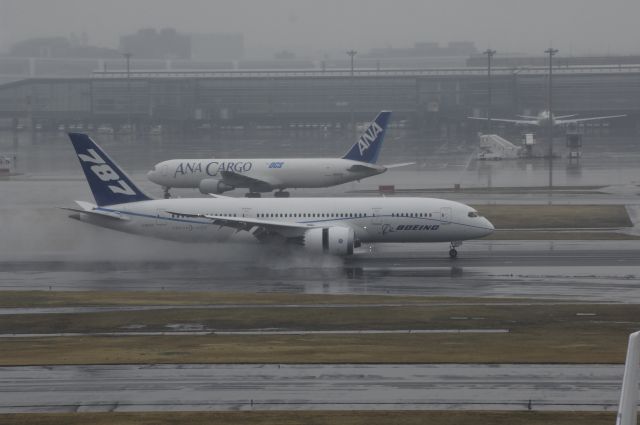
(324, 225)
(266, 174)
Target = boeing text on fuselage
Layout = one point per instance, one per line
(387, 228)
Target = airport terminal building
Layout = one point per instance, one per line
(434, 101)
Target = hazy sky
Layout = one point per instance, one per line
(573, 26)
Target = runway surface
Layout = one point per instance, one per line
(309, 387)
(587, 271)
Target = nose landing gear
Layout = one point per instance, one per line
(453, 252)
(167, 195)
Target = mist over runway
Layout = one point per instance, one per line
(567, 270)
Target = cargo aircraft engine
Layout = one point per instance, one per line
(214, 186)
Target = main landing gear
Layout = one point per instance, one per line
(281, 194)
(252, 195)
(453, 252)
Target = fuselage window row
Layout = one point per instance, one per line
(311, 215)
(411, 215)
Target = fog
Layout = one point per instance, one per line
(326, 28)
(48, 234)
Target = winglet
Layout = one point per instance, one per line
(109, 184)
(367, 148)
(628, 408)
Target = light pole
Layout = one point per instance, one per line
(489, 54)
(352, 53)
(127, 56)
(551, 52)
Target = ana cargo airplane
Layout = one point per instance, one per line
(542, 119)
(264, 175)
(323, 225)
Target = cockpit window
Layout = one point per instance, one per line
(473, 214)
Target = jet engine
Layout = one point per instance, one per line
(334, 240)
(213, 186)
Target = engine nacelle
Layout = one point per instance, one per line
(213, 186)
(330, 240)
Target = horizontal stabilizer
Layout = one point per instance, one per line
(362, 168)
(402, 164)
(90, 209)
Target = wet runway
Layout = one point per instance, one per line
(309, 387)
(570, 270)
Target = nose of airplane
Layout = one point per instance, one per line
(489, 227)
(151, 175)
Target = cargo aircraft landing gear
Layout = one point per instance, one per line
(252, 195)
(281, 194)
(453, 252)
(167, 195)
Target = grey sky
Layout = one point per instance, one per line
(574, 26)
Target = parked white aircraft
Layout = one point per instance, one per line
(542, 119)
(264, 175)
(628, 407)
(326, 225)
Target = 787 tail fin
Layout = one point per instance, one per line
(367, 148)
(108, 183)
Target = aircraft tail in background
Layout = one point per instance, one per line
(367, 148)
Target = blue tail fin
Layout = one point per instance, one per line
(367, 148)
(109, 184)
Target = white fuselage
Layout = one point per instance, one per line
(277, 173)
(372, 219)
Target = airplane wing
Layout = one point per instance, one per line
(555, 116)
(517, 122)
(576, 120)
(240, 180)
(402, 164)
(257, 227)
